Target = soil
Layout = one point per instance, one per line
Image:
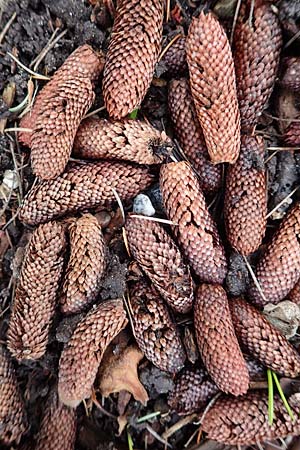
(90, 22)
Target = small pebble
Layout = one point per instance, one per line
(142, 205)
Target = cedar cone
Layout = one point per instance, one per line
(256, 56)
(292, 134)
(80, 359)
(217, 341)
(86, 265)
(279, 268)
(58, 426)
(294, 294)
(132, 54)
(36, 293)
(13, 421)
(245, 206)
(195, 230)
(81, 187)
(155, 332)
(131, 140)
(174, 60)
(190, 135)
(160, 259)
(213, 87)
(291, 78)
(262, 340)
(244, 420)
(58, 110)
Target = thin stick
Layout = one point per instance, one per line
(119, 201)
(271, 156)
(92, 113)
(293, 38)
(154, 219)
(270, 397)
(168, 10)
(47, 48)
(282, 202)
(7, 26)
(283, 148)
(34, 74)
(236, 14)
(164, 51)
(157, 436)
(255, 280)
(24, 130)
(178, 425)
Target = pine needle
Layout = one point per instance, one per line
(34, 74)
(129, 440)
(282, 396)
(270, 397)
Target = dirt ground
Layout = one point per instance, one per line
(31, 25)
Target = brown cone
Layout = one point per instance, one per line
(195, 230)
(278, 270)
(294, 294)
(292, 134)
(244, 420)
(245, 206)
(130, 140)
(217, 341)
(82, 355)
(256, 57)
(174, 59)
(154, 330)
(58, 110)
(81, 187)
(213, 87)
(262, 340)
(160, 259)
(13, 421)
(291, 78)
(190, 135)
(58, 426)
(132, 54)
(86, 265)
(36, 293)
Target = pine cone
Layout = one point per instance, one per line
(36, 293)
(174, 60)
(58, 426)
(132, 54)
(279, 268)
(160, 259)
(256, 56)
(195, 230)
(154, 330)
(130, 140)
(292, 134)
(81, 187)
(245, 206)
(58, 110)
(294, 294)
(290, 78)
(213, 87)
(217, 341)
(13, 421)
(82, 355)
(262, 340)
(190, 135)
(192, 391)
(244, 420)
(86, 265)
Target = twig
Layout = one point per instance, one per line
(7, 26)
(24, 130)
(47, 48)
(236, 14)
(119, 201)
(164, 51)
(293, 38)
(255, 280)
(157, 436)
(168, 8)
(178, 425)
(92, 113)
(34, 74)
(154, 219)
(282, 202)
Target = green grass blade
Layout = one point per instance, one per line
(284, 400)
(133, 114)
(270, 397)
(148, 417)
(129, 440)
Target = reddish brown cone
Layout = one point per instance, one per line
(245, 207)
(81, 187)
(217, 341)
(294, 294)
(160, 259)
(256, 56)
(36, 293)
(154, 330)
(190, 135)
(174, 60)
(213, 87)
(292, 134)
(194, 228)
(82, 355)
(262, 340)
(278, 270)
(291, 78)
(85, 267)
(132, 54)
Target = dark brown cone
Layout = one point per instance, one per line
(213, 87)
(256, 57)
(58, 426)
(36, 293)
(174, 59)
(294, 294)
(244, 420)
(262, 340)
(217, 341)
(245, 206)
(132, 54)
(82, 355)
(155, 332)
(291, 75)
(58, 110)
(160, 259)
(195, 230)
(192, 391)
(131, 140)
(13, 421)
(81, 187)
(190, 135)
(278, 270)
(86, 265)
(292, 134)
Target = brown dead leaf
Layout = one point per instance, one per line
(8, 96)
(119, 372)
